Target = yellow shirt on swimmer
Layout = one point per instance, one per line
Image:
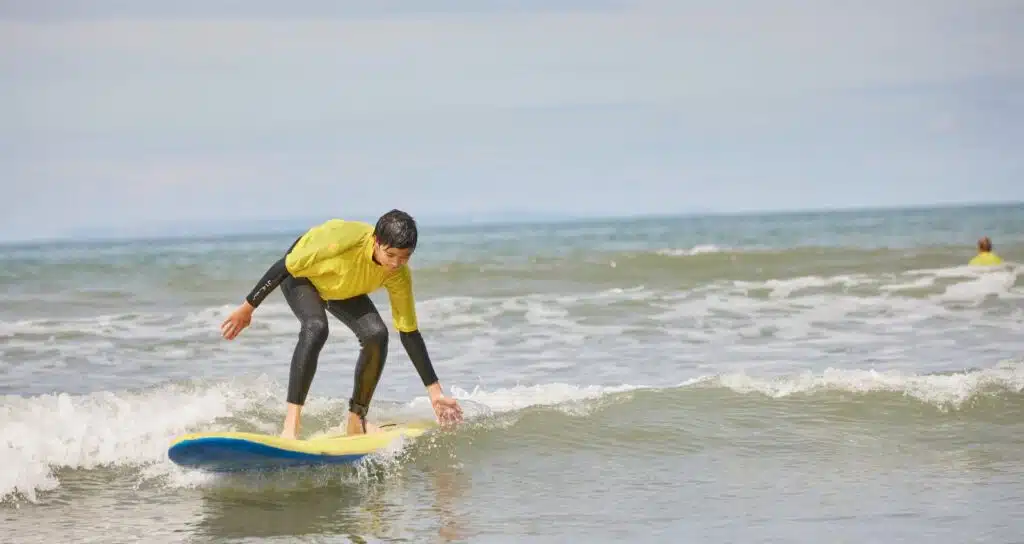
(986, 258)
(337, 258)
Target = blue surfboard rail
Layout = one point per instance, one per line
(219, 454)
(241, 451)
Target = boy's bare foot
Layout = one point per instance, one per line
(355, 426)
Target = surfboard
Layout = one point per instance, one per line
(231, 451)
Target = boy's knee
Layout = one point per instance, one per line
(374, 333)
(315, 330)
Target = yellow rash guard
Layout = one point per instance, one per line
(986, 258)
(337, 258)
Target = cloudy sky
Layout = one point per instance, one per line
(129, 115)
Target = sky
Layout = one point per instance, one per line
(132, 116)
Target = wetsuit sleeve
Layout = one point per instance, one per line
(417, 350)
(270, 280)
(403, 312)
(319, 244)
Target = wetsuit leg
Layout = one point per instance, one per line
(308, 307)
(360, 315)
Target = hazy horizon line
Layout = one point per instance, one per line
(281, 225)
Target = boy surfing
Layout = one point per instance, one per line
(332, 268)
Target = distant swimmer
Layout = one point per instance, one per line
(332, 268)
(985, 256)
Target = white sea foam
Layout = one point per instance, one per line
(942, 390)
(695, 250)
(133, 429)
(38, 434)
(928, 291)
(899, 319)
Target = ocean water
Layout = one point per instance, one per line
(815, 377)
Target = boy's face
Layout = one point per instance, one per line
(391, 258)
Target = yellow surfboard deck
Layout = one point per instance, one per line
(230, 451)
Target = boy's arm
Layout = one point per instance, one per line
(403, 313)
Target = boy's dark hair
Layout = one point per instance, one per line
(396, 229)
